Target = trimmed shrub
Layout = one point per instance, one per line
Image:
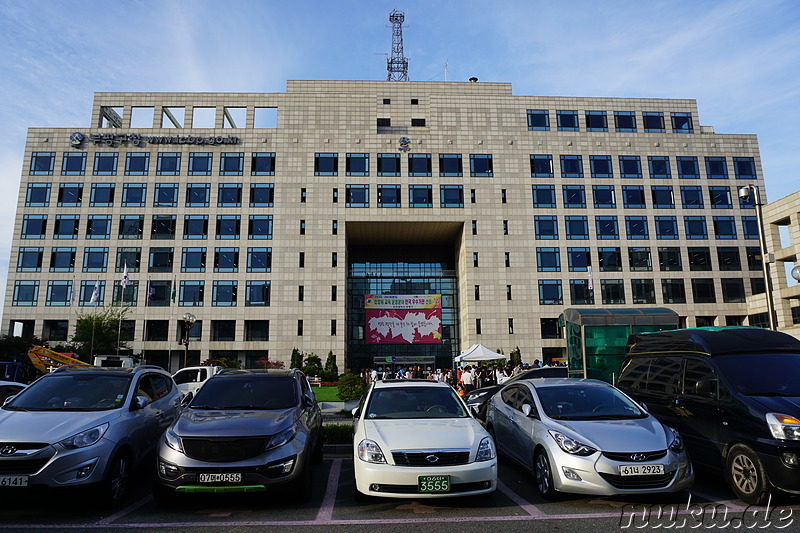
(351, 387)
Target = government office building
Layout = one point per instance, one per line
(476, 215)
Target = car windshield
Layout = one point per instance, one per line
(73, 392)
(234, 393)
(587, 403)
(415, 402)
(762, 374)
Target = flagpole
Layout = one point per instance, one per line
(124, 284)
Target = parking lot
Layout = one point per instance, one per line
(516, 505)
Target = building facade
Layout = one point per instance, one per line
(272, 217)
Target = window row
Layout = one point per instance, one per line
(167, 163)
(630, 166)
(577, 227)
(623, 121)
(358, 164)
(635, 197)
(164, 195)
(132, 227)
(158, 330)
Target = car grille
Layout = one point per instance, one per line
(414, 489)
(26, 466)
(627, 457)
(639, 482)
(223, 450)
(427, 458)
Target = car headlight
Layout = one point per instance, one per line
(572, 446)
(486, 450)
(783, 427)
(279, 439)
(173, 440)
(677, 441)
(370, 452)
(85, 438)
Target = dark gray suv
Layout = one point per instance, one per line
(243, 432)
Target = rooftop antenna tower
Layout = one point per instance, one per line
(397, 64)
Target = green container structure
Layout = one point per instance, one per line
(596, 338)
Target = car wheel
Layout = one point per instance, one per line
(544, 475)
(163, 495)
(115, 487)
(747, 476)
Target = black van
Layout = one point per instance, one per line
(734, 395)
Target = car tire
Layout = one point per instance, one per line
(543, 473)
(746, 475)
(163, 495)
(317, 453)
(114, 488)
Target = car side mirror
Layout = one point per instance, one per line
(706, 387)
(643, 406)
(355, 412)
(527, 410)
(307, 402)
(7, 400)
(187, 399)
(140, 402)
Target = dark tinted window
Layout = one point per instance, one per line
(74, 392)
(763, 374)
(663, 374)
(246, 393)
(694, 371)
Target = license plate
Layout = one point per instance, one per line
(219, 478)
(13, 481)
(641, 470)
(434, 484)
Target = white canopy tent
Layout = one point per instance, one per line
(478, 352)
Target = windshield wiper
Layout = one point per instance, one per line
(14, 408)
(233, 407)
(206, 407)
(612, 417)
(771, 394)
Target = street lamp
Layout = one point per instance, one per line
(188, 320)
(745, 193)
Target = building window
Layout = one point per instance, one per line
(42, 163)
(334, 259)
(505, 227)
(195, 227)
(334, 227)
(750, 227)
(55, 330)
(70, 195)
(695, 227)
(720, 197)
(472, 196)
(733, 290)
(625, 121)
(475, 262)
(191, 293)
(419, 165)
(753, 258)
(571, 166)
(610, 259)
(417, 122)
(259, 259)
(326, 164)
(200, 163)
(262, 195)
(757, 286)
(74, 163)
(607, 227)
(724, 228)
(636, 228)
(550, 292)
(159, 294)
(26, 293)
(545, 227)
(544, 196)
(687, 167)
(666, 227)
(166, 195)
(358, 164)
(579, 259)
(673, 291)
(699, 258)
(231, 163)
(420, 196)
(226, 260)
(548, 260)
(630, 166)
(134, 194)
(229, 195)
(682, 123)
(62, 260)
(259, 227)
(643, 291)
(716, 168)
(600, 166)
(480, 165)
(38, 195)
(163, 227)
(604, 197)
(105, 163)
(612, 291)
(334, 290)
(576, 227)
(507, 258)
(131, 226)
(633, 196)
(228, 227)
(744, 168)
(567, 120)
(450, 165)
(580, 293)
(262, 164)
(92, 293)
(197, 194)
(30, 259)
(299, 328)
(160, 260)
(34, 226)
(169, 164)
(669, 259)
(357, 196)
(130, 258)
(659, 167)
(653, 122)
(639, 259)
(333, 326)
(389, 196)
(66, 227)
(384, 122)
(703, 291)
(692, 197)
(388, 165)
(474, 227)
(302, 260)
(596, 121)
(550, 328)
(662, 197)
(729, 258)
(541, 166)
(59, 293)
(510, 325)
(95, 259)
(574, 196)
(538, 120)
(223, 294)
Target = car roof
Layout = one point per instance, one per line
(713, 341)
(230, 373)
(105, 370)
(395, 383)
(5, 383)
(542, 383)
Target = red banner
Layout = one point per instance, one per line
(404, 326)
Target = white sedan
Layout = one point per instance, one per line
(417, 439)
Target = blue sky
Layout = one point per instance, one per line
(740, 59)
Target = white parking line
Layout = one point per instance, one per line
(326, 509)
(519, 500)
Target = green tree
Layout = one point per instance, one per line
(97, 333)
(297, 359)
(331, 372)
(351, 387)
(313, 365)
(516, 357)
(12, 348)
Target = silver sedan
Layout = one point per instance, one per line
(587, 437)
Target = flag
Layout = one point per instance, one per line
(151, 291)
(174, 283)
(95, 292)
(125, 277)
(72, 293)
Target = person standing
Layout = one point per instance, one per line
(467, 380)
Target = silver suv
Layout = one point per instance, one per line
(243, 432)
(85, 425)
